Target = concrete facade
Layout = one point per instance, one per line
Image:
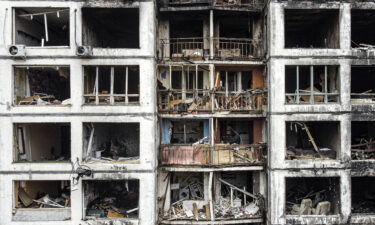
(78, 113)
(344, 111)
(214, 106)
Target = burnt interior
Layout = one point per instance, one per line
(362, 23)
(186, 27)
(312, 28)
(234, 83)
(189, 80)
(111, 198)
(35, 142)
(362, 82)
(111, 27)
(111, 141)
(326, 136)
(305, 195)
(30, 23)
(363, 193)
(120, 84)
(42, 194)
(41, 85)
(186, 131)
(187, 186)
(241, 27)
(304, 83)
(363, 140)
(234, 131)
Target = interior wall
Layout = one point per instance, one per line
(43, 139)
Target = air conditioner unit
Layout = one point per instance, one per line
(17, 51)
(84, 51)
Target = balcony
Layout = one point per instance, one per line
(205, 155)
(234, 48)
(250, 154)
(252, 4)
(177, 48)
(179, 101)
(197, 48)
(240, 101)
(185, 154)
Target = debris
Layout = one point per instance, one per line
(111, 199)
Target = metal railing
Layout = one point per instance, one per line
(189, 2)
(233, 48)
(240, 101)
(243, 154)
(199, 47)
(184, 100)
(362, 98)
(220, 154)
(258, 4)
(184, 47)
(185, 154)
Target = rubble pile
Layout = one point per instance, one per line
(44, 200)
(363, 149)
(224, 209)
(112, 200)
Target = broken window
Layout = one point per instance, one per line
(239, 90)
(111, 141)
(300, 80)
(362, 23)
(111, 85)
(36, 142)
(363, 140)
(41, 85)
(41, 26)
(112, 199)
(42, 200)
(312, 28)
(312, 140)
(185, 142)
(312, 195)
(234, 41)
(236, 196)
(187, 195)
(110, 27)
(362, 192)
(185, 131)
(184, 88)
(362, 84)
(238, 141)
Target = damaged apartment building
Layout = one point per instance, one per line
(77, 105)
(116, 112)
(320, 63)
(212, 97)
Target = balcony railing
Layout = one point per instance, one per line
(256, 4)
(362, 98)
(225, 154)
(234, 48)
(220, 154)
(188, 2)
(240, 3)
(185, 154)
(240, 101)
(193, 47)
(184, 101)
(199, 48)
